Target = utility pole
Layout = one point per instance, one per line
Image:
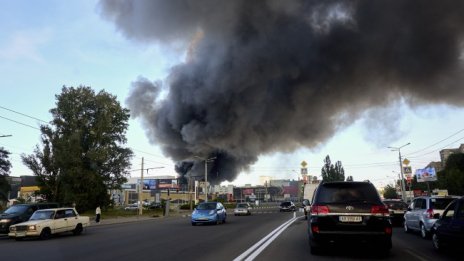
(141, 186)
(206, 174)
(141, 189)
(403, 188)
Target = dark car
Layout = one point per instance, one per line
(349, 214)
(448, 230)
(397, 208)
(20, 213)
(287, 206)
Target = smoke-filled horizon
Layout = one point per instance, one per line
(275, 76)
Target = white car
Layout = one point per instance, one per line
(242, 209)
(46, 222)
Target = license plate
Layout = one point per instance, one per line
(20, 234)
(350, 218)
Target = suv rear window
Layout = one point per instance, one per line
(347, 192)
(440, 203)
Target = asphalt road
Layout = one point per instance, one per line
(176, 239)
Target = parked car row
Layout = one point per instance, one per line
(41, 221)
(20, 213)
(438, 217)
(421, 214)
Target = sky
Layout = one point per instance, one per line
(45, 45)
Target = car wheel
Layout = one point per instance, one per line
(406, 228)
(45, 234)
(78, 230)
(194, 224)
(18, 238)
(436, 242)
(423, 231)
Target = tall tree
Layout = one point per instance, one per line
(452, 177)
(329, 172)
(82, 156)
(5, 166)
(389, 192)
(349, 178)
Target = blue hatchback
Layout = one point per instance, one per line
(209, 213)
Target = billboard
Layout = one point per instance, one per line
(148, 183)
(427, 174)
(167, 183)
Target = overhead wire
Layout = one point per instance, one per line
(262, 169)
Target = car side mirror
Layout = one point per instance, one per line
(436, 215)
(409, 208)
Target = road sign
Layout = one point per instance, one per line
(304, 164)
(407, 170)
(406, 162)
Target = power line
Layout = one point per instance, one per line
(452, 135)
(27, 125)
(446, 146)
(25, 115)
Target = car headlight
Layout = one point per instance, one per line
(12, 228)
(194, 212)
(5, 220)
(31, 227)
(211, 212)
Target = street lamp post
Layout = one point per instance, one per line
(206, 174)
(403, 188)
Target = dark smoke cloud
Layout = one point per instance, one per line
(267, 76)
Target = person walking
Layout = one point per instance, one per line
(98, 214)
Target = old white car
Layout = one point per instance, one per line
(46, 222)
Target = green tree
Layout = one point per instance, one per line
(5, 166)
(452, 177)
(329, 172)
(82, 154)
(389, 192)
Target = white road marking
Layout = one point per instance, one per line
(257, 248)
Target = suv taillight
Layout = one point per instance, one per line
(380, 210)
(319, 210)
(429, 213)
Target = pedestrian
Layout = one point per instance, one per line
(98, 214)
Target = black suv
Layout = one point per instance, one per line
(349, 214)
(20, 213)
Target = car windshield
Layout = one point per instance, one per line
(285, 204)
(42, 215)
(242, 206)
(206, 206)
(15, 209)
(440, 203)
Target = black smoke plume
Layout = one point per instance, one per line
(267, 76)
